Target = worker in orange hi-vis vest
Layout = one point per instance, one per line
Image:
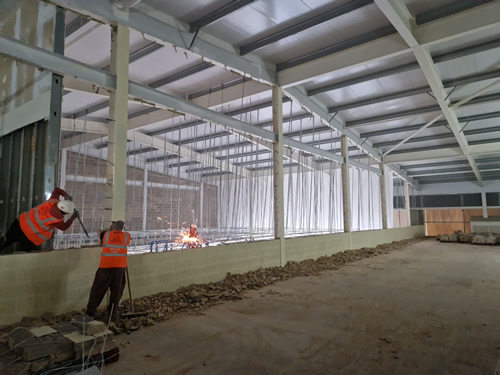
(37, 225)
(111, 272)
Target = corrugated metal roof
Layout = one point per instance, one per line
(174, 71)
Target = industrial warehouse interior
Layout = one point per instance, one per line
(281, 186)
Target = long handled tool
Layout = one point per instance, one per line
(132, 313)
(79, 220)
(85, 230)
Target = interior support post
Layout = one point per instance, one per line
(145, 201)
(383, 196)
(118, 126)
(346, 184)
(407, 204)
(278, 177)
(484, 204)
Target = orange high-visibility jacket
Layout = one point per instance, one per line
(38, 224)
(114, 249)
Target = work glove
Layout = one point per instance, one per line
(75, 215)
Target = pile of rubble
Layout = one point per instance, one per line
(66, 345)
(160, 307)
(474, 238)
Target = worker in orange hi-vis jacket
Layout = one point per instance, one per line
(111, 272)
(37, 225)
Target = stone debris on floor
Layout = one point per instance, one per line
(34, 350)
(80, 338)
(474, 238)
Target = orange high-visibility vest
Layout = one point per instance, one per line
(38, 224)
(114, 249)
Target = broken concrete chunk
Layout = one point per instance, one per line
(18, 335)
(487, 239)
(38, 347)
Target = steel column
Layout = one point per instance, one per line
(118, 125)
(407, 204)
(346, 185)
(383, 196)
(484, 204)
(278, 176)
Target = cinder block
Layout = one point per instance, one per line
(42, 331)
(90, 328)
(80, 341)
(105, 335)
(65, 328)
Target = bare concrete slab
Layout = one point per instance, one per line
(431, 308)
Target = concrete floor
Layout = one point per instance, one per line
(432, 308)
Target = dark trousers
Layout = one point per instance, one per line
(112, 278)
(15, 234)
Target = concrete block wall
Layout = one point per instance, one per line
(59, 281)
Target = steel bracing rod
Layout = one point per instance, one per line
(454, 106)
(424, 110)
(449, 145)
(464, 119)
(400, 17)
(403, 94)
(448, 163)
(304, 25)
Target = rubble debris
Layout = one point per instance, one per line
(160, 307)
(484, 239)
(474, 238)
(32, 351)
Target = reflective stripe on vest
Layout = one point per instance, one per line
(111, 258)
(36, 229)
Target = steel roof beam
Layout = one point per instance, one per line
(442, 171)
(433, 165)
(412, 66)
(158, 83)
(415, 140)
(452, 27)
(76, 24)
(217, 14)
(417, 91)
(304, 25)
(447, 10)
(392, 116)
(379, 99)
(337, 47)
